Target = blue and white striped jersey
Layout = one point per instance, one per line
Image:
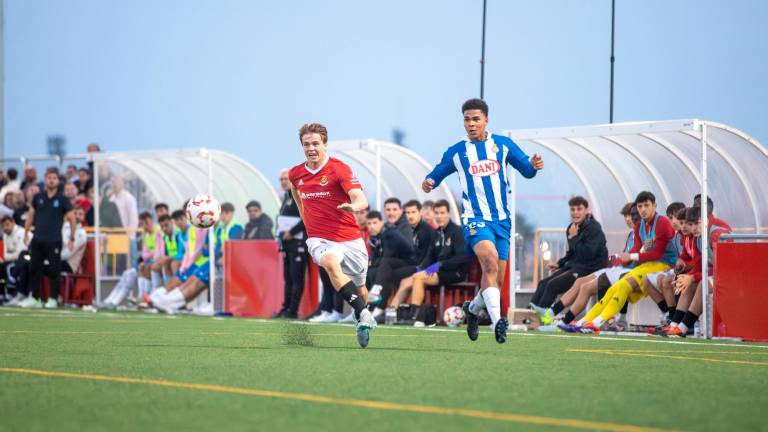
(482, 168)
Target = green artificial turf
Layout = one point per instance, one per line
(629, 382)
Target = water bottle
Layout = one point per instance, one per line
(390, 316)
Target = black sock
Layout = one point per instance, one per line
(690, 319)
(569, 317)
(678, 318)
(351, 295)
(557, 307)
(672, 310)
(662, 306)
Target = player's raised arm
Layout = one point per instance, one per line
(359, 201)
(442, 170)
(520, 161)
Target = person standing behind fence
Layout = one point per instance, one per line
(291, 235)
(47, 213)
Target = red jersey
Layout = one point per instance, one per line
(321, 192)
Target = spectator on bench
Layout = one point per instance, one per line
(71, 258)
(659, 286)
(12, 186)
(384, 244)
(182, 235)
(13, 247)
(656, 233)
(587, 253)
(395, 217)
(167, 249)
(690, 305)
(448, 264)
(586, 287)
(428, 213)
(259, 226)
(171, 301)
(226, 229)
(392, 270)
(151, 240)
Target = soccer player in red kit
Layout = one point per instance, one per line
(328, 194)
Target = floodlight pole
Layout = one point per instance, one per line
(706, 306)
(482, 55)
(613, 59)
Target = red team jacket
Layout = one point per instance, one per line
(663, 235)
(321, 192)
(692, 247)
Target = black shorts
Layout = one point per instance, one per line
(450, 277)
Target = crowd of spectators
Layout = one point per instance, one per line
(411, 246)
(661, 260)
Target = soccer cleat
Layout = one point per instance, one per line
(500, 330)
(365, 324)
(545, 314)
(672, 332)
(587, 328)
(148, 300)
(319, 318)
(30, 302)
(569, 328)
(472, 330)
(590, 328)
(51, 303)
(16, 300)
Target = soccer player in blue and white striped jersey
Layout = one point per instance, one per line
(481, 161)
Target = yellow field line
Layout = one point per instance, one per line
(683, 352)
(669, 357)
(390, 406)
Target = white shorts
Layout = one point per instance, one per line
(614, 273)
(654, 277)
(352, 255)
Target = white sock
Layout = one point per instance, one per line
(673, 324)
(683, 328)
(375, 289)
(157, 279)
(477, 304)
(143, 286)
(597, 322)
(175, 299)
(158, 294)
(492, 299)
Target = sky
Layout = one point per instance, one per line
(242, 76)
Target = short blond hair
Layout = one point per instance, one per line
(317, 128)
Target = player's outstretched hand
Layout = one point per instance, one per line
(427, 185)
(537, 162)
(346, 207)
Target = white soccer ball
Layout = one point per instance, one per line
(453, 316)
(203, 211)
